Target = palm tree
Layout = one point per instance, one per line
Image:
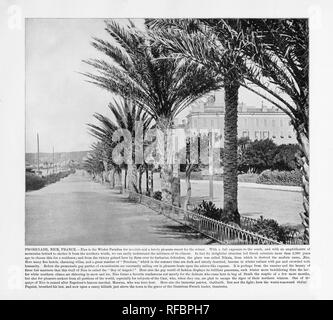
(271, 54)
(104, 135)
(277, 63)
(94, 164)
(274, 64)
(161, 86)
(198, 43)
(127, 117)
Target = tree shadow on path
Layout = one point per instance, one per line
(181, 231)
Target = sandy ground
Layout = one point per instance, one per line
(77, 211)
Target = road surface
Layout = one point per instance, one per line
(77, 211)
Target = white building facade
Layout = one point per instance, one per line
(257, 123)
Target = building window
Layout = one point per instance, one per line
(273, 123)
(195, 124)
(212, 123)
(245, 133)
(257, 135)
(265, 122)
(281, 123)
(257, 122)
(265, 134)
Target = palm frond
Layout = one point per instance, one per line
(146, 73)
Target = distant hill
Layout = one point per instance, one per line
(31, 158)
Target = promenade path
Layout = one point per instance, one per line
(78, 211)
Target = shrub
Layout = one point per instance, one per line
(259, 155)
(208, 209)
(269, 228)
(157, 195)
(285, 157)
(286, 178)
(256, 156)
(248, 177)
(33, 182)
(55, 177)
(195, 168)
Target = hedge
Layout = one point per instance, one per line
(34, 182)
(271, 229)
(285, 178)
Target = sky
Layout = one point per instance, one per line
(59, 101)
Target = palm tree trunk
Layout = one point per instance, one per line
(166, 175)
(230, 180)
(166, 170)
(151, 189)
(303, 140)
(188, 185)
(113, 178)
(166, 183)
(105, 171)
(147, 180)
(125, 179)
(110, 177)
(120, 181)
(131, 177)
(140, 180)
(106, 176)
(175, 188)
